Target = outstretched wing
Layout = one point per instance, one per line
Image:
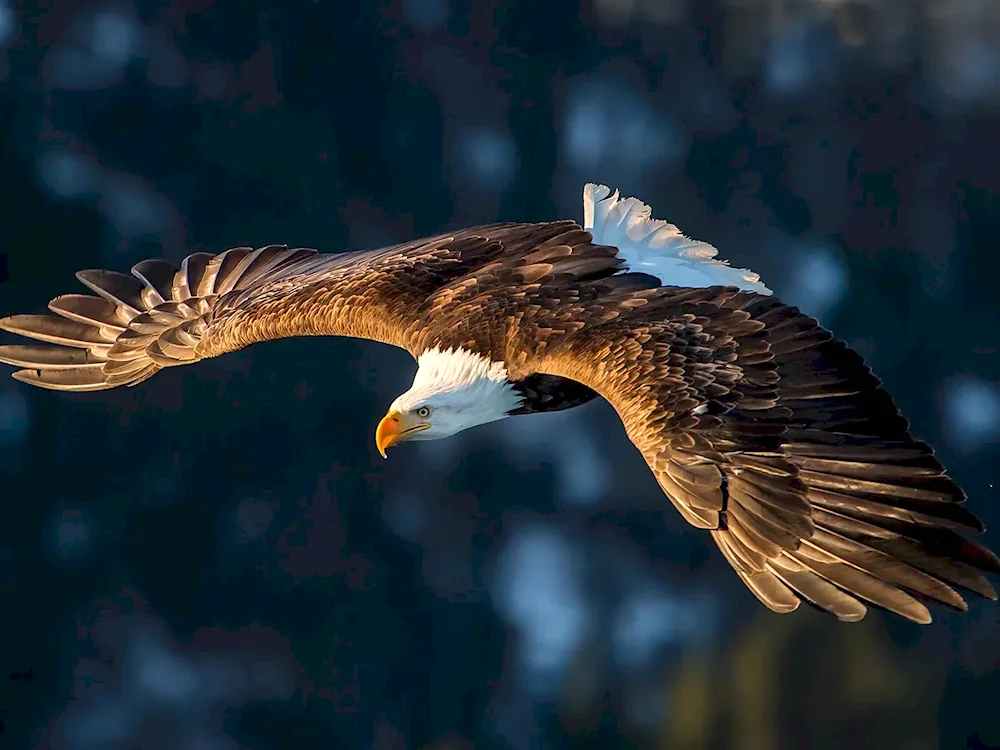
(762, 428)
(163, 316)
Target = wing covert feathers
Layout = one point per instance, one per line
(764, 429)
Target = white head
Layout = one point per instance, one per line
(452, 391)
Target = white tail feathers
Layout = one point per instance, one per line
(658, 247)
(139, 323)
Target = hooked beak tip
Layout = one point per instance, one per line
(387, 434)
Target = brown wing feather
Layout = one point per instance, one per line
(163, 316)
(762, 428)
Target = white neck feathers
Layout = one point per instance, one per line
(456, 367)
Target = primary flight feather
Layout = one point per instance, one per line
(757, 424)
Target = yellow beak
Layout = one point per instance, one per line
(395, 428)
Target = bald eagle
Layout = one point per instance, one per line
(757, 424)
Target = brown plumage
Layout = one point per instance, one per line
(757, 424)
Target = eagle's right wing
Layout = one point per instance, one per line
(163, 316)
(763, 429)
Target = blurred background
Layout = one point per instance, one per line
(219, 558)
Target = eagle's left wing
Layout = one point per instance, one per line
(762, 428)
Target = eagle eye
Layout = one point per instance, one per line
(423, 412)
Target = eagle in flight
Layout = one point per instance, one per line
(758, 425)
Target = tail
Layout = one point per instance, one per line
(658, 247)
(139, 324)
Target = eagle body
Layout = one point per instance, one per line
(757, 424)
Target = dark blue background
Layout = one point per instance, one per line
(218, 558)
